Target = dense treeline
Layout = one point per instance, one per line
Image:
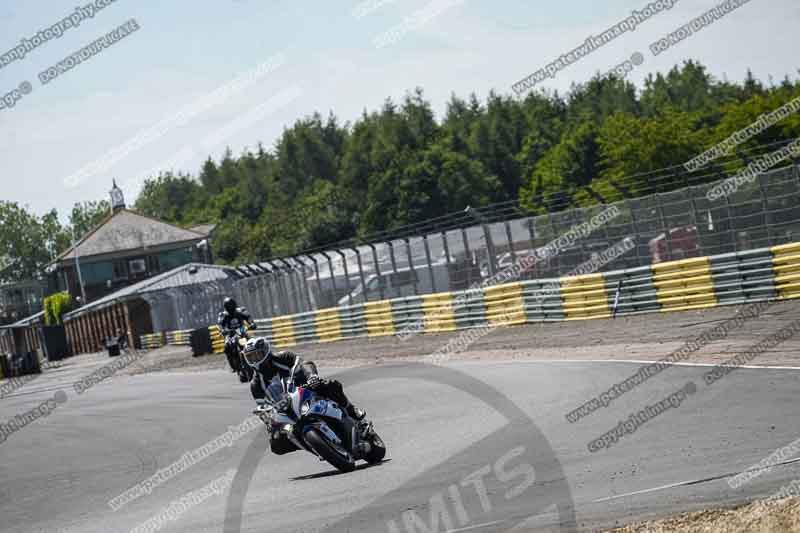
(29, 242)
(324, 181)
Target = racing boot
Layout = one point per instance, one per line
(336, 393)
(354, 412)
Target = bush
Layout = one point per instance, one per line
(55, 306)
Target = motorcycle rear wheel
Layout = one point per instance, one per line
(320, 445)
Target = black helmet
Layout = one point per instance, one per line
(230, 305)
(256, 351)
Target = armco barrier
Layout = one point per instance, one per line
(585, 297)
(217, 341)
(638, 294)
(684, 285)
(504, 305)
(743, 277)
(697, 283)
(179, 338)
(437, 312)
(152, 341)
(542, 299)
(786, 265)
(328, 325)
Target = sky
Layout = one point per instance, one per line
(193, 77)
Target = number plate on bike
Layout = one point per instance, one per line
(319, 408)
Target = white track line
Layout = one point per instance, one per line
(476, 526)
(626, 361)
(695, 481)
(645, 491)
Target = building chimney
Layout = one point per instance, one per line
(117, 199)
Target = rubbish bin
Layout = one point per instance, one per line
(112, 346)
(5, 367)
(24, 364)
(200, 340)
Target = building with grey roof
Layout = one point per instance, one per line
(124, 249)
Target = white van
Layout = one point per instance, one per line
(401, 283)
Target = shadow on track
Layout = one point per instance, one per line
(330, 473)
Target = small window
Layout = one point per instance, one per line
(138, 267)
(152, 264)
(120, 270)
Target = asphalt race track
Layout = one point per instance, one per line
(485, 443)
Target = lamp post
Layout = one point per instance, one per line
(205, 249)
(78, 268)
(474, 213)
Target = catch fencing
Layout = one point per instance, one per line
(417, 270)
(668, 226)
(698, 283)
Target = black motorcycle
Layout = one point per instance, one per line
(319, 425)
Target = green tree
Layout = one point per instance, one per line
(568, 166)
(170, 198)
(55, 306)
(85, 216)
(27, 243)
(632, 147)
(323, 181)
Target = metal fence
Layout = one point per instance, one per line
(664, 226)
(20, 300)
(189, 306)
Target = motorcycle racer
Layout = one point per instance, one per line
(229, 321)
(266, 364)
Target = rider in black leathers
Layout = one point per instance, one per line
(230, 320)
(266, 364)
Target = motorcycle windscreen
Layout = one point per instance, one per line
(274, 390)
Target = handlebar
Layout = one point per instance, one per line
(230, 332)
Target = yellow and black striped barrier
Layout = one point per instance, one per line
(217, 340)
(152, 341)
(179, 338)
(696, 283)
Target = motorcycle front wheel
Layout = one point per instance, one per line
(320, 445)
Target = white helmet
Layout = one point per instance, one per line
(256, 351)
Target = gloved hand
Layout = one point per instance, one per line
(314, 382)
(281, 405)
